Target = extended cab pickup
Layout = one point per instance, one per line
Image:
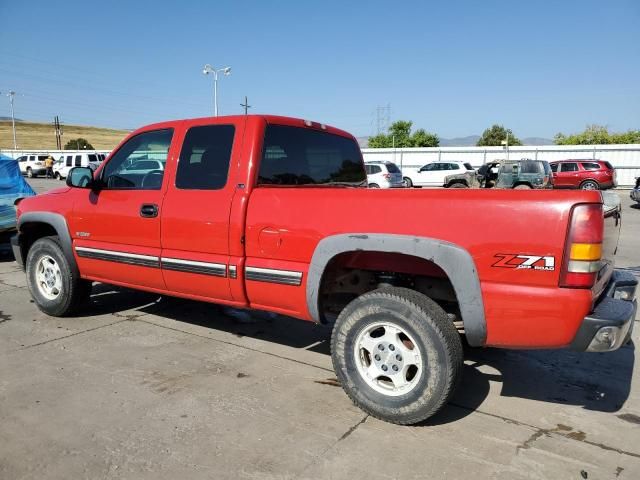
(273, 213)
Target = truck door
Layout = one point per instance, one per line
(195, 215)
(116, 230)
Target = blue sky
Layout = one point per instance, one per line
(452, 67)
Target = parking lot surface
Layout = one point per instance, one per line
(141, 386)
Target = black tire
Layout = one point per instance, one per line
(72, 292)
(407, 182)
(374, 185)
(439, 347)
(29, 172)
(457, 185)
(58, 176)
(522, 186)
(589, 185)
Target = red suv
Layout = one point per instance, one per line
(584, 174)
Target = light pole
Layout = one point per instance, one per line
(506, 144)
(12, 94)
(226, 71)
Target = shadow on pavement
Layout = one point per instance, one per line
(594, 381)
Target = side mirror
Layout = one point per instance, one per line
(80, 177)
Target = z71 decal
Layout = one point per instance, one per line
(529, 262)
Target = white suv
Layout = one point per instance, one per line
(435, 173)
(383, 175)
(69, 160)
(32, 165)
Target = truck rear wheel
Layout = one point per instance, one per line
(56, 290)
(397, 355)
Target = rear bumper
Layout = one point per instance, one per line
(17, 251)
(610, 324)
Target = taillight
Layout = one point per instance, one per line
(387, 176)
(583, 250)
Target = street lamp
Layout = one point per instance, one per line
(226, 71)
(12, 94)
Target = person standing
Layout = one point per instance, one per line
(48, 165)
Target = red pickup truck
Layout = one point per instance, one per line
(273, 213)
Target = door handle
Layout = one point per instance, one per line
(149, 210)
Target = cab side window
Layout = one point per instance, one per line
(139, 163)
(205, 158)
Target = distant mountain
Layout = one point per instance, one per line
(4, 119)
(469, 141)
(537, 141)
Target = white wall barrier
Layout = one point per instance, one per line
(625, 158)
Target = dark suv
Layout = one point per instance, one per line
(584, 174)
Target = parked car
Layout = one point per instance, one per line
(273, 213)
(383, 175)
(32, 165)
(584, 174)
(70, 160)
(13, 187)
(525, 174)
(635, 193)
(433, 174)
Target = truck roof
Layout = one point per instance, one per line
(271, 119)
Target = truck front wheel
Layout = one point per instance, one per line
(397, 355)
(56, 290)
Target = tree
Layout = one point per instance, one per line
(494, 136)
(78, 144)
(597, 135)
(400, 136)
(422, 138)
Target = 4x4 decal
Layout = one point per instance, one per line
(530, 262)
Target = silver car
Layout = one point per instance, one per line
(382, 174)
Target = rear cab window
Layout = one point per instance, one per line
(307, 157)
(590, 166)
(468, 166)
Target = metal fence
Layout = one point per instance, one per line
(625, 158)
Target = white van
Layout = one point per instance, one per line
(76, 159)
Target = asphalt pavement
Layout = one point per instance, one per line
(141, 386)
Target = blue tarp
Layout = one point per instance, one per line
(12, 187)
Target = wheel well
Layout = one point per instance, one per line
(351, 274)
(589, 180)
(453, 182)
(32, 231)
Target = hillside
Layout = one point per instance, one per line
(36, 136)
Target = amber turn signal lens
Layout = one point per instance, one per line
(586, 251)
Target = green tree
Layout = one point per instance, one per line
(422, 138)
(400, 136)
(597, 135)
(494, 136)
(78, 144)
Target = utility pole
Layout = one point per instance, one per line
(12, 94)
(245, 105)
(58, 130)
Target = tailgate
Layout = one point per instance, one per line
(612, 224)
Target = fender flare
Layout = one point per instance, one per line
(59, 224)
(456, 262)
